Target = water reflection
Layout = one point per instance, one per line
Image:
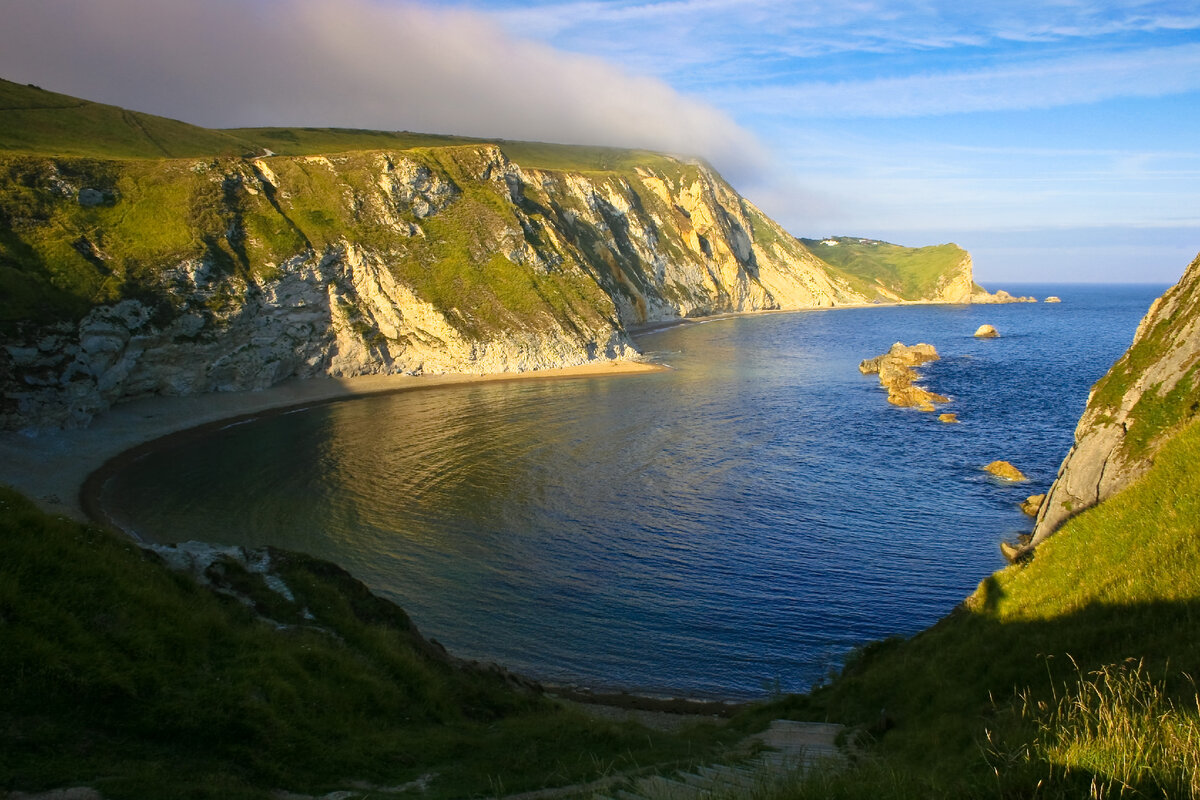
(748, 517)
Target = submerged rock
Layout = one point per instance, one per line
(897, 374)
(1005, 471)
(986, 332)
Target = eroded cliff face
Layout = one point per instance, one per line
(1152, 391)
(233, 274)
(180, 276)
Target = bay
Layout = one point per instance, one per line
(729, 528)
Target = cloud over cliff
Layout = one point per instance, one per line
(352, 63)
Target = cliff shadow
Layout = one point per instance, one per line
(1038, 705)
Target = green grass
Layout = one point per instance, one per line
(911, 272)
(35, 121)
(1118, 722)
(1120, 581)
(119, 674)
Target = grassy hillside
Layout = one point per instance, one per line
(911, 272)
(119, 674)
(1072, 670)
(39, 122)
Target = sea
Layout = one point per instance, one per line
(731, 527)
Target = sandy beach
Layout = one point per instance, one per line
(51, 467)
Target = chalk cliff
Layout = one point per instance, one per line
(1148, 395)
(175, 276)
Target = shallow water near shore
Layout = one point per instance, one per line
(729, 528)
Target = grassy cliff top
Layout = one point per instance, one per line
(34, 121)
(909, 271)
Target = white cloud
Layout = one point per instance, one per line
(356, 63)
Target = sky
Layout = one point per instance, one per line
(1056, 140)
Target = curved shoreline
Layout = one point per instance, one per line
(59, 470)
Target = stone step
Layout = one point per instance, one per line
(661, 788)
(733, 777)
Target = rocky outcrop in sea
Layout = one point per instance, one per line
(897, 373)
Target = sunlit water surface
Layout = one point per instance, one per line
(729, 527)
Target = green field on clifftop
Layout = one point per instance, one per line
(34, 121)
(911, 272)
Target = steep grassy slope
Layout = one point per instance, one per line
(976, 701)
(119, 674)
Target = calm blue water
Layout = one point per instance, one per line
(741, 521)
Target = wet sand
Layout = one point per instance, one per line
(52, 467)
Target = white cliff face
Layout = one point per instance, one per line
(1147, 395)
(340, 313)
(680, 243)
(958, 285)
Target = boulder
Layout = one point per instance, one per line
(1011, 552)
(1053, 299)
(986, 332)
(1032, 504)
(948, 418)
(1005, 471)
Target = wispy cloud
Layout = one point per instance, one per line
(1028, 85)
(823, 27)
(357, 63)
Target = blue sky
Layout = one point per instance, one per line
(1054, 140)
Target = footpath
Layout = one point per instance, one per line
(781, 752)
